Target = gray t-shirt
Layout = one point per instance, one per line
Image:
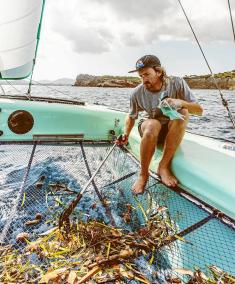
(143, 100)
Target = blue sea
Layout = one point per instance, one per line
(215, 121)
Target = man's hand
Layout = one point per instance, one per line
(122, 140)
(175, 103)
(192, 107)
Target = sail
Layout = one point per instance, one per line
(20, 22)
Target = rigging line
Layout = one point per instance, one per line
(107, 208)
(3, 91)
(8, 82)
(224, 102)
(231, 17)
(28, 94)
(61, 92)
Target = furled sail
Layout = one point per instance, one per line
(20, 22)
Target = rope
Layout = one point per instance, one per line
(22, 188)
(224, 102)
(28, 94)
(231, 17)
(8, 82)
(4, 93)
(51, 88)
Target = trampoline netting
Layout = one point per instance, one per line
(158, 237)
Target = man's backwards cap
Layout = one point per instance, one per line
(146, 61)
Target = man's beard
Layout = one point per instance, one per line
(148, 86)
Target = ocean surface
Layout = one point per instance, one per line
(215, 121)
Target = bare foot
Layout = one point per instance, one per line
(139, 185)
(167, 177)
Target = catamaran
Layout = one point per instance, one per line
(56, 146)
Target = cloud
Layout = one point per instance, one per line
(165, 19)
(82, 26)
(96, 26)
(140, 10)
(88, 40)
(131, 39)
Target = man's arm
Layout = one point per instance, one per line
(192, 107)
(129, 123)
(130, 119)
(185, 98)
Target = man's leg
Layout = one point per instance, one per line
(173, 139)
(150, 129)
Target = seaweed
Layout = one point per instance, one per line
(94, 251)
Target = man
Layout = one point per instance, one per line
(155, 127)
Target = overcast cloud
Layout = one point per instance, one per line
(117, 32)
(94, 26)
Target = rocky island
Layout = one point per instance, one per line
(225, 80)
(85, 80)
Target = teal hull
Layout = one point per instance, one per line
(95, 123)
(203, 167)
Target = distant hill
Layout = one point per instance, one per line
(44, 82)
(63, 81)
(58, 82)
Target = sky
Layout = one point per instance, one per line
(106, 37)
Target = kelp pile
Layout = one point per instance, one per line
(92, 252)
(96, 253)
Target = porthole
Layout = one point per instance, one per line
(20, 122)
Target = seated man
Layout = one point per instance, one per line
(155, 127)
